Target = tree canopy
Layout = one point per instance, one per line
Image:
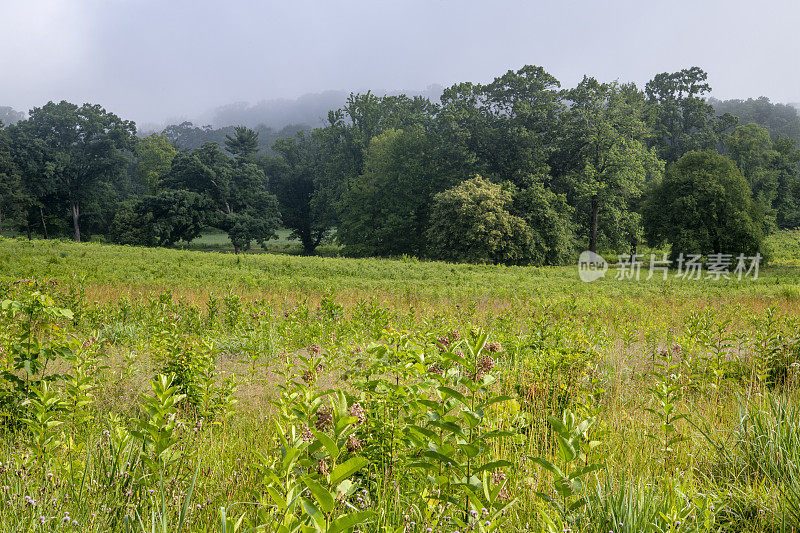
(517, 170)
(704, 206)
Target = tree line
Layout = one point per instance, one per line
(516, 171)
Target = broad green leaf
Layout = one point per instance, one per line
(312, 511)
(585, 470)
(276, 498)
(345, 523)
(470, 450)
(347, 469)
(321, 494)
(455, 394)
(493, 466)
(472, 418)
(548, 466)
(326, 441)
(566, 449)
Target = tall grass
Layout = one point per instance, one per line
(255, 350)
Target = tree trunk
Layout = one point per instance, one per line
(307, 240)
(76, 212)
(318, 241)
(308, 245)
(593, 236)
(44, 226)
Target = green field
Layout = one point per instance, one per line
(331, 394)
(218, 241)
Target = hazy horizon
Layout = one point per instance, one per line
(158, 63)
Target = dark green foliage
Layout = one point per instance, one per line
(155, 154)
(780, 120)
(549, 220)
(385, 210)
(350, 131)
(297, 178)
(161, 220)
(243, 144)
(242, 206)
(771, 170)
(74, 150)
(606, 161)
(13, 196)
(507, 128)
(681, 118)
(704, 206)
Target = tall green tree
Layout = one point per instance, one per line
(243, 206)
(549, 219)
(243, 144)
(79, 148)
(704, 205)
(509, 127)
(385, 209)
(681, 118)
(13, 195)
(608, 160)
(346, 138)
(295, 177)
(770, 168)
(786, 163)
(41, 204)
(155, 154)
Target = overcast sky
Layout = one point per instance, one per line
(154, 60)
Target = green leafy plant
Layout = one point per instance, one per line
(667, 392)
(571, 468)
(46, 410)
(36, 342)
(156, 429)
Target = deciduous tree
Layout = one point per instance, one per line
(155, 154)
(473, 222)
(609, 161)
(243, 207)
(79, 148)
(703, 206)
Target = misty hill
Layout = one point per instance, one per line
(187, 136)
(9, 116)
(310, 109)
(271, 119)
(777, 119)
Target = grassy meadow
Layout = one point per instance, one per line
(218, 241)
(181, 390)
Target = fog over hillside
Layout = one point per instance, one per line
(310, 109)
(156, 62)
